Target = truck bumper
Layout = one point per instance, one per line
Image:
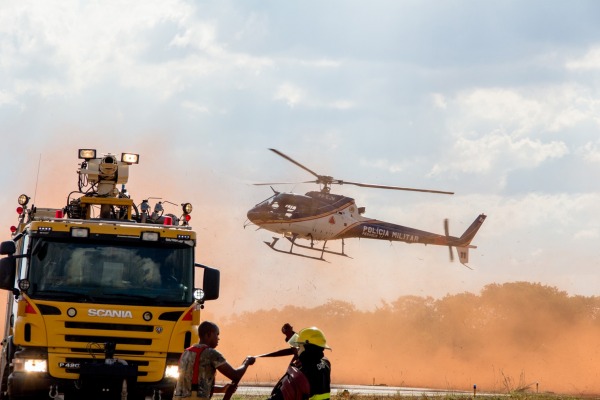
(29, 384)
(38, 385)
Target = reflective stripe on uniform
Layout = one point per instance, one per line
(324, 396)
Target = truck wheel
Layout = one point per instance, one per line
(70, 394)
(4, 383)
(7, 355)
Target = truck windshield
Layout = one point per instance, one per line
(105, 273)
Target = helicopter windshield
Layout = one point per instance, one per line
(284, 205)
(111, 273)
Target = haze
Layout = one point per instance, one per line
(496, 102)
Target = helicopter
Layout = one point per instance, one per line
(323, 216)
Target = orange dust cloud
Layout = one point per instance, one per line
(505, 338)
(510, 337)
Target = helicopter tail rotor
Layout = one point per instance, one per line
(447, 232)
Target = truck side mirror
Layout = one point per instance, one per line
(8, 248)
(8, 270)
(210, 282)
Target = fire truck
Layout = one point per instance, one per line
(101, 292)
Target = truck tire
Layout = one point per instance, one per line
(8, 353)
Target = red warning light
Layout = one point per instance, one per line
(168, 221)
(188, 217)
(19, 210)
(188, 316)
(29, 308)
(58, 214)
(13, 229)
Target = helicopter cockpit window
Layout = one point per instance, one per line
(283, 210)
(289, 210)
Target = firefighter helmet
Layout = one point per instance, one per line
(312, 336)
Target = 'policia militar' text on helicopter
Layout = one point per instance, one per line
(323, 216)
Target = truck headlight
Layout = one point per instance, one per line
(30, 365)
(172, 371)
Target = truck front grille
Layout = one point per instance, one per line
(108, 326)
(114, 339)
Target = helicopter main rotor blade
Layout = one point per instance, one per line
(295, 162)
(391, 187)
(326, 181)
(281, 183)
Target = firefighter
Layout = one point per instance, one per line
(288, 331)
(311, 380)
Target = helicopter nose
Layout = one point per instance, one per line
(253, 215)
(258, 215)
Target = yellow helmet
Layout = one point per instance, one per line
(312, 336)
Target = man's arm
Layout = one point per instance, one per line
(235, 374)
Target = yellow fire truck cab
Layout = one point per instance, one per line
(101, 293)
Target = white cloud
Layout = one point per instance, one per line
(382, 164)
(591, 233)
(591, 152)
(197, 108)
(81, 44)
(524, 112)
(320, 63)
(591, 60)
(498, 150)
(293, 96)
(6, 98)
(342, 104)
(439, 101)
(566, 215)
(85, 45)
(290, 94)
(201, 36)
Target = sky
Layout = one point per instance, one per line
(498, 102)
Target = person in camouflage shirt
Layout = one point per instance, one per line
(210, 361)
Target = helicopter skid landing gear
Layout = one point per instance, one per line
(322, 250)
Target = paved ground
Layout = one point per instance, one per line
(265, 390)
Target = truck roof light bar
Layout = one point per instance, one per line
(150, 236)
(87, 154)
(187, 208)
(80, 232)
(130, 158)
(23, 200)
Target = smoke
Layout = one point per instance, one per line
(515, 336)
